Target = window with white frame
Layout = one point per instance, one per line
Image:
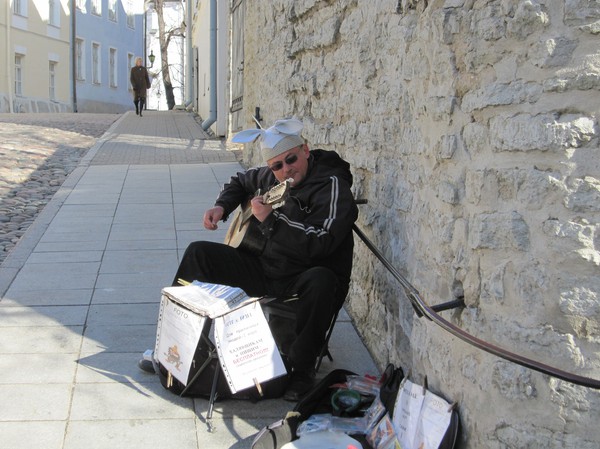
(54, 12)
(95, 63)
(20, 7)
(112, 67)
(52, 80)
(79, 59)
(97, 7)
(19, 74)
(81, 5)
(130, 16)
(112, 10)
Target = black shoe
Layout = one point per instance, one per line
(300, 384)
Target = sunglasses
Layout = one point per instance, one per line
(289, 160)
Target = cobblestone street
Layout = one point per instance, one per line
(37, 153)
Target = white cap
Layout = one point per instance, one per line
(279, 138)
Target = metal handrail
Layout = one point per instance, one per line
(422, 309)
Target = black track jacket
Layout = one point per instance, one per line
(313, 227)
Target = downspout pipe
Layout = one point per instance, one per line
(9, 66)
(212, 117)
(74, 54)
(189, 74)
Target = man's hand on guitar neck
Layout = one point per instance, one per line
(259, 209)
(212, 217)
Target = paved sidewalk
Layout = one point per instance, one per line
(80, 295)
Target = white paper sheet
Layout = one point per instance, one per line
(177, 335)
(246, 348)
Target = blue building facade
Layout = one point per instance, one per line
(108, 36)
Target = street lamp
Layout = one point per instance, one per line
(151, 58)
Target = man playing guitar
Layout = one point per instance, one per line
(308, 241)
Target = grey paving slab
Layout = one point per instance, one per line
(128, 434)
(233, 433)
(129, 232)
(110, 367)
(92, 196)
(35, 340)
(57, 276)
(76, 245)
(25, 435)
(144, 213)
(115, 338)
(45, 297)
(146, 197)
(43, 316)
(120, 280)
(35, 402)
(65, 256)
(48, 368)
(127, 401)
(111, 295)
(139, 261)
(123, 314)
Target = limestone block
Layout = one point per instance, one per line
(581, 11)
(529, 18)
(497, 94)
(321, 35)
(585, 196)
(513, 382)
(501, 230)
(555, 52)
(592, 28)
(447, 146)
(580, 305)
(583, 76)
(488, 23)
(542, 132)
(476, 137)
(448, 192)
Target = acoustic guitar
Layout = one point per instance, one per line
(243, 232)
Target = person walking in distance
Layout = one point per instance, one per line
(140, 81)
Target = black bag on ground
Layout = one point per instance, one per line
(318, 401)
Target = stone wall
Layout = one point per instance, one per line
(472, 129)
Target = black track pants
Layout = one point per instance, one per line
(316, 289)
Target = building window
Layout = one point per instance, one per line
(96, 63)
(80, 59)
(51, 80)
(19, 75)
(97, 7)
(112, 10)
(54, 12)
(130, 16)
(112, 67)
(20, 7)
(81, 5)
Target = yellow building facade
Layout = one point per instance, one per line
(35, 46)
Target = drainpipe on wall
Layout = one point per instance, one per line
(9, 66)
(74, 53)
(212, 117)
(189, 72)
